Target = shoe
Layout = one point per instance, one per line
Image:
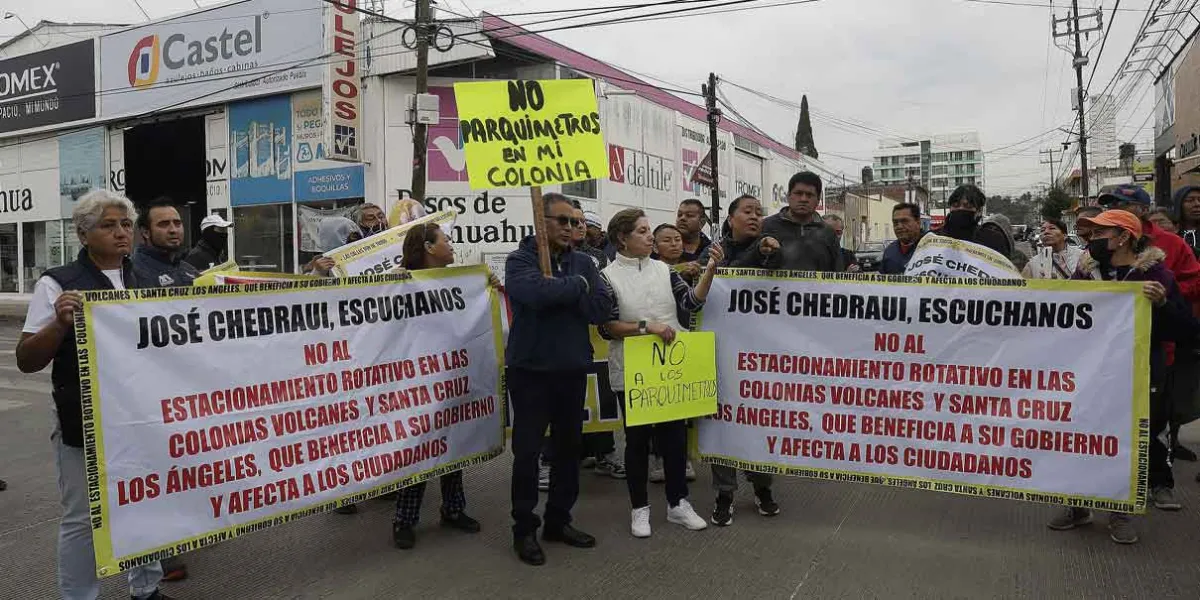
(529, 551)
(461, 522)
(403, 536)
(1121, 529)
(349, 509)
(657, 474)
(157, 595)
(1179, 451)
(1070, 518)
(610, 465)
(1164, 499)
(588, 463)
(685, 515)
(640, 522)
(688, 472)
(569, 536)
(174, 570)
(722, 515)
(767, 506)
(544, 478)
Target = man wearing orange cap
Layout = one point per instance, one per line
(1118, 251)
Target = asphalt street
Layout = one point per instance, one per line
(831, 541)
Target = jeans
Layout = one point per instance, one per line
(671, 438)
(725, 479)
(408, 500)
(76, 557)
(541, 399)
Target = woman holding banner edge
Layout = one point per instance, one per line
(646, 296)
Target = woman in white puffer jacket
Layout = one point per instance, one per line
(1055, 259)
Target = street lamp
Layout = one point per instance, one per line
(12, 15)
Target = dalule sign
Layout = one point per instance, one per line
(527, 133)
(215, 412)
(1031, 390)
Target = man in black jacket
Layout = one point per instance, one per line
(806, 243)
(548, 356)
(966, 203)
(104, 223)
(158, 261)
(210, 250)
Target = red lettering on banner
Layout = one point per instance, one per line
(455, 360)
(1044, 410)
(970, 463)
(400, 400)
(263, 496)
(217, 437)
(314, 417)
(345, 442)
(137, 489)
(380, 465)
(192, 477)
(967, 404)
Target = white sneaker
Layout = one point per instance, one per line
(640, 522)
(657, 475)
(685, 515)
(689, 473)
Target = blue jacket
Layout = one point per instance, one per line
(157, 268)
(551, 316)
(894, 260)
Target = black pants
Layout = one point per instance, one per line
(670, 439)
(541, 399)
(1160, 416)
(1183, 378)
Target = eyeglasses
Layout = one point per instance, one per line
(564, 220)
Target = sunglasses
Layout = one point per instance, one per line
(564, 220)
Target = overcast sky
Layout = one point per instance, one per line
(869, 67)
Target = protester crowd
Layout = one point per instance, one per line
(627, 277)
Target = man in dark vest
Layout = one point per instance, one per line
(104, 223)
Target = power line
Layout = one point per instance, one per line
(1112, 17)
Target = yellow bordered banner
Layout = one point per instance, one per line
(97, 337)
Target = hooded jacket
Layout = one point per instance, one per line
(550, 316)
(160, 268)
(1187, 233)
(1171, 322)
(1180, 260)
(809, 246)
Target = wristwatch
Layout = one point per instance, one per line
(641, 328)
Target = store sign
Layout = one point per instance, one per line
(29, 181)
(330, 184)
(260, 144)
(48, 87)
(343, 81)
(249, 48)
(632, 167)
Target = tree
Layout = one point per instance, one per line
(1057, 202)
(804, 135)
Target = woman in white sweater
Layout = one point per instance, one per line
(1055, 259)
(646, 295)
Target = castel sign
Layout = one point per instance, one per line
(210, 56)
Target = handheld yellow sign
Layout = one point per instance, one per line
(668, 383)
(530, 133)
(381, 253)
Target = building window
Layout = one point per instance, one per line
(46, 244)
(971, 180)
(958, 181)
(970, 155)
(970, 168)
(261, 236)
(307, 223)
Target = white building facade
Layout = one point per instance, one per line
(940, 163)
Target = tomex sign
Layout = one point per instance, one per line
(48, 87)
(343, 82)
(210, 56)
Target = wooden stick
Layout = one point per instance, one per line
(539, 229)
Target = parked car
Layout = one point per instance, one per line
(870, 254)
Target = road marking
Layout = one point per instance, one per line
(11, 405)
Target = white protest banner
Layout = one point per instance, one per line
(381, 253)
(215, 412)
(941, 256)
(1031, 390)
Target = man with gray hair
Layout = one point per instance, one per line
(104, 223)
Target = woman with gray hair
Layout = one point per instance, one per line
(104, 223)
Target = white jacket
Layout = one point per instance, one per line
(1041, 264)
(643, 293)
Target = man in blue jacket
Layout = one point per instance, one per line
(906, 222)
(549, 354)
(159, 260)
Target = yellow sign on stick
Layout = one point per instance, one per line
(530, 133)
(670, 382)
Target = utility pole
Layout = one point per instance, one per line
(1074, 29)
(1051, 162)
(420, 130)
(714, 116)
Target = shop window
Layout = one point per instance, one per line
(8, 258)
(307, 221)
(46, 244)
(262, 237)
(580, 189)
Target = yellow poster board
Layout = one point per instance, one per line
(382, 252)
(526, 133)
(670, 382)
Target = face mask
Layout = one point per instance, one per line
(960, 224)
(215, 237)
(1100, 251)
(372, 230)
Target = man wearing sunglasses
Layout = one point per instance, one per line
(1181, 382)
(549, 355)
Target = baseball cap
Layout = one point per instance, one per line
(214, 221)
(1117, 218)
(592, 219)
(1124, 193)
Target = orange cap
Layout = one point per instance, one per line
(1118, 218)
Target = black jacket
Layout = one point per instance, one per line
(80, 275)
(1187, 233)
(744, 255)
(203, 256)
(810, 246)
(158, 268)
(551, 315)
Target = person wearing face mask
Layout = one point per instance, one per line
(646, 295)
(963, 221)
(371, 219)
(1055, 259)
(1119, 252)
(213, 244)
